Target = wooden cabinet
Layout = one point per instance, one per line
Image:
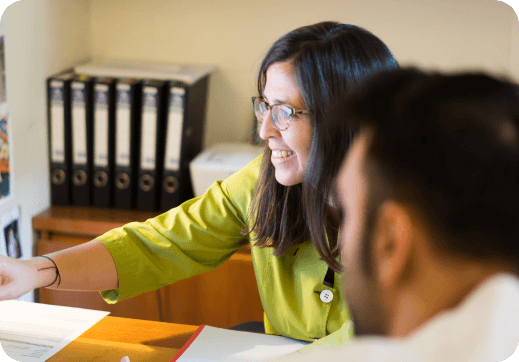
(221, 298)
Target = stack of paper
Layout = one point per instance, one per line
(188, 73)
(32, 332)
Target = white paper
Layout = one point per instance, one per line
(216, 344)
(188, 73)
(33, 332)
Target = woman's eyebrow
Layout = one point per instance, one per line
(275, 101)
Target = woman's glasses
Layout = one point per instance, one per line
(279, 113)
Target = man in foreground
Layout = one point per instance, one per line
(429, 194)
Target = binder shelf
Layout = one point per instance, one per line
(122, 133)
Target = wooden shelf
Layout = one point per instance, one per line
(87, 221)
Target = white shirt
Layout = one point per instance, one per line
(484, 327)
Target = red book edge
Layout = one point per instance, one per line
(183, 349)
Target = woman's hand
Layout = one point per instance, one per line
(18, 277)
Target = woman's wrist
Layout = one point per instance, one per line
(44, 271)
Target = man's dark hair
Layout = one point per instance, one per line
(329, 59)
(448, 146)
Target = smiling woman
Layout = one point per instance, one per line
(305, 70)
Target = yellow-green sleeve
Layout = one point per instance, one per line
(196, 237)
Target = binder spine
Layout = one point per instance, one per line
(127, 125)
(104, 147)
(195, 105)
(82, 107)
(174, 125)
(59, 132)
(151, 148)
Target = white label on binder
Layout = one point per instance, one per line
(174, 128)
(101, 126)
(149, 128)
(122, 143)
(79, 150)
(57, 122)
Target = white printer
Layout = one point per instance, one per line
(219, 162)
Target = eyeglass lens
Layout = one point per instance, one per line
(280, 113)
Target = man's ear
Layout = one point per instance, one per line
(393, 243)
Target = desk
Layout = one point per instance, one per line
(113, 337)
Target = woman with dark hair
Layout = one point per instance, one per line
(324, 60)
(281, 201)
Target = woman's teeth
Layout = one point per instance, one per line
(281, 154)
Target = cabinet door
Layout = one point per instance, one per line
(144, 306)
(222, 298)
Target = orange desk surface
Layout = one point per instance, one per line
(113, 337)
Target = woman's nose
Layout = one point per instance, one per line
(267, 128)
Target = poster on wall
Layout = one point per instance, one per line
(5, 173)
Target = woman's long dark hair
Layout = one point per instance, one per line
(328, 59)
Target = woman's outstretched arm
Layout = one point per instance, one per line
(86, 267)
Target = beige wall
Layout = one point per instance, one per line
(514, 44)
(235, 34)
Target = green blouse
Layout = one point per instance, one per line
(202, 233)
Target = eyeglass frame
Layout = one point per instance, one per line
(269, 107)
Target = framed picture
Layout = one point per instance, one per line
(10, 233)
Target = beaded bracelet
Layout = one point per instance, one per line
(58, 276)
